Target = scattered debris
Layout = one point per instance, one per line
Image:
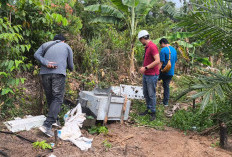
(25, 124)
(51, 155)
(132, 92)
(169, 113)
(71, 130)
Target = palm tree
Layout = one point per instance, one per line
(211, 20)
(213, 87)
(123, 12)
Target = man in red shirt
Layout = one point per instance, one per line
(150, 71)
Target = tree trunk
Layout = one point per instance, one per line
(219, 61)
(132, 64)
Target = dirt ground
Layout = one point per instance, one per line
(126, 140)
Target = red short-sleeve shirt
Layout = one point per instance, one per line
(150, 51)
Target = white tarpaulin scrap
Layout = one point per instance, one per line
(25, 124)
(71, 130)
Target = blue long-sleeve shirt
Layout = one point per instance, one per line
(164, 57)
(61, 53)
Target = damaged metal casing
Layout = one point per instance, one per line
(98, 104)
(132, 92)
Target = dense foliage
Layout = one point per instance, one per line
(103, 34)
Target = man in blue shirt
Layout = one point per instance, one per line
(166, 77)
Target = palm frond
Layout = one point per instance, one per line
(213, 87)
(211, 21)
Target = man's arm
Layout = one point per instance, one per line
(39, 56)
(156, 56)
(156, 62)
(70, 59)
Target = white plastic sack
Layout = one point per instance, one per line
(83, 143)
(71, 130)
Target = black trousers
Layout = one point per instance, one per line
(166, 82)
(54, 87)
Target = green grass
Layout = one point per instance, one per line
(192, 120)
(140, 106)
(107, 145)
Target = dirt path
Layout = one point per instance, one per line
(125, 140)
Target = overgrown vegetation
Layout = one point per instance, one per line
(192, 120)
(106, 52)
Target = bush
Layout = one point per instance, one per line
(189, 120)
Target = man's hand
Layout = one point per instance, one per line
(51, 65)
(142, 70)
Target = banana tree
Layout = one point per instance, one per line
(187, 49)
(123, 12)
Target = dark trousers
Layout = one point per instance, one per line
(166, 81)
(54, 87)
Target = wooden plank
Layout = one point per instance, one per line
(123, 109)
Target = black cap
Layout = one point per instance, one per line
(59, 37)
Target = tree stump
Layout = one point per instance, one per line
(223, 135)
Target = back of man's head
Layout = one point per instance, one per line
(59, 37)
(164, 41)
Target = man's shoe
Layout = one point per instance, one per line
(144, 113)
(49, 133)
(43, 128)
(46, 130)
(153, 117)
(57, 123)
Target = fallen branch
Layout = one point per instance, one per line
(125, 139)
(208, 130)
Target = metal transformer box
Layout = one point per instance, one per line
(98, 104)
